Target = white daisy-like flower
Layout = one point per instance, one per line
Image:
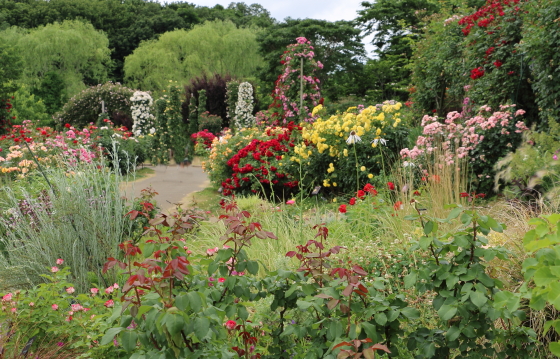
(353, 138)
(380, 140)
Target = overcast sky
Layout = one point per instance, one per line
(330, 10)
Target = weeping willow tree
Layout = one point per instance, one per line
(74, 50)
(214, 47)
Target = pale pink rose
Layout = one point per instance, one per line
(54, 307)
(7, 297)
(54, 269)
(94, 291)
(60, 261)
(109, 290)
(70, 290)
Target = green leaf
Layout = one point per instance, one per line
(453, 333)
(494, 225)
(411, 313)
(148, 249)
(253, 267)
(110, 335)
(410, 280)
(128, 340)
(454, 213)
(381, 318)
(194, 301)
(428, 227)
(478, 298)
(174, 323)
(543, 276)
(143, 310)
(555, 348)
(447, 312)
(303, 305)
(425, 242)
(201, 327)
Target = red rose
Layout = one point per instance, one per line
(352, 201)
(342, 208)
(361, 194)
(391, 186)
(67, 125)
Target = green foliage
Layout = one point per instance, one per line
(85, 107)
(52, 92)
(210, 122)
(171, 132)
(62, 321)
(193, 115)
(74, 50)
(217, 47)
(336, 44)
(540, 36)
(122, 151)
(437, 68)
(10, 71)
(231, 98)
(532, 170)
(202, 99)
(468, 301)
(542, 269)
(28, 106)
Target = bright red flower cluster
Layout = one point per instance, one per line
(258, 161)
(205, 135)
(477, 73)
(486, 14)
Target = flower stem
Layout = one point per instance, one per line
(357, 170)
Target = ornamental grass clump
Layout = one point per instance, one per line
(78, 215)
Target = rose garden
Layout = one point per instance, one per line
(409, 209)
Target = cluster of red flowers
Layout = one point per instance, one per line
(486, 14)
(259, 161)
(205, 136)
(361, 194)
(477, 73)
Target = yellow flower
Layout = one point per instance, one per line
(370, 175)
(334, 184)
(345, 152)
(363, 168)
(334, 200)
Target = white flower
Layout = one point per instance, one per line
(408, 164)
(244, 107)
(380, 140)
(353, 138)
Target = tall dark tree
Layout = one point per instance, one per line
(337, 45)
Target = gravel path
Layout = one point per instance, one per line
(172, 183)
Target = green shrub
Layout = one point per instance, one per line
(85, 107)
(209, 122)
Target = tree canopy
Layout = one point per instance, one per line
(337, 45)
(74, 50)
(216, 47)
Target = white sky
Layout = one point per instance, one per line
(331, 10)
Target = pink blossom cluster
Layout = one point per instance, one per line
(287, 87)
(459, 133)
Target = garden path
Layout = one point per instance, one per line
(172, 183)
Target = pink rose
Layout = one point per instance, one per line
(54, 307)
(94, 291)
(60, 261)
(7, 297)
(109, 304)
(54, 269)
(230, 324)
(70, 290)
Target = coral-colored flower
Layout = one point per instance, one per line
(398, 205)
(342, 208)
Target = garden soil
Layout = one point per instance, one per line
(173, 184)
